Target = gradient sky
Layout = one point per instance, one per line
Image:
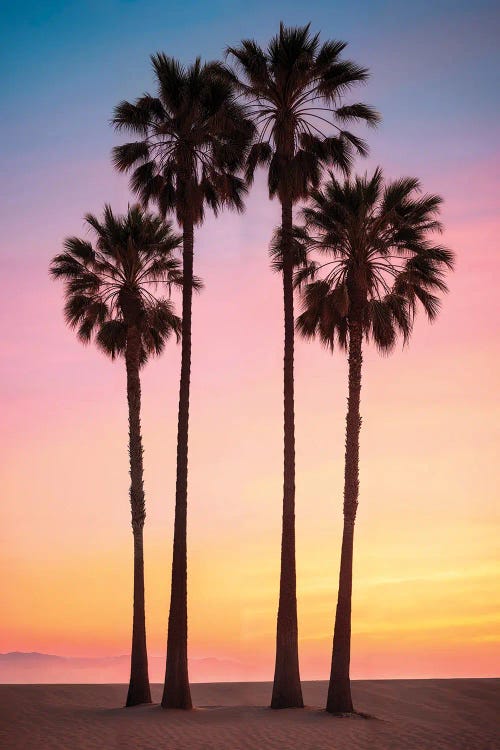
(426, 575)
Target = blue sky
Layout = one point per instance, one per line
(434, 69)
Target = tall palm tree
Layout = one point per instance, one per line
(110, 298)
(294, 91)
(192, 142)
(381, 263)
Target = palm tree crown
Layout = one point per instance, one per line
(193, 139)
(110, 284)
(379, 261)
(294, 91)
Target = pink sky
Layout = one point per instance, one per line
(425, 591)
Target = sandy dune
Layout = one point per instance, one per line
(410, 714)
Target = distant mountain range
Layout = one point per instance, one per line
(34, 667)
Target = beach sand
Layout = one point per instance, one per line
(408, 714)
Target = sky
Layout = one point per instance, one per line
(425, 597)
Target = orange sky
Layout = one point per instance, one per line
(425, 599)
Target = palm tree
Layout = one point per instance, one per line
(381, 264)
(109, 291)
(192, 141)
(294, 91)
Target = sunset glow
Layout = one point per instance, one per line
(425, 595)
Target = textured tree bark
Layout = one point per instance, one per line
(339, 690)
(287, 691)
(176, 692)
(139, 690)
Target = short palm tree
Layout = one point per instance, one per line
(110, 298)
(379, 263)
(192, 140)
(294, 91)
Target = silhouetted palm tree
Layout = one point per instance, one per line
(381, 263)
(294, 91)
(192, 141)
(110, 298)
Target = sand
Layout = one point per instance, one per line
(410, 714)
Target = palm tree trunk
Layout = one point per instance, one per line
(138, 691)
(339, 690)
(287, 692)
(176, 692)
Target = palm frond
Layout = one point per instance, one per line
(359, 111)
(111, 338)
(294, 243)
(129, 154)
